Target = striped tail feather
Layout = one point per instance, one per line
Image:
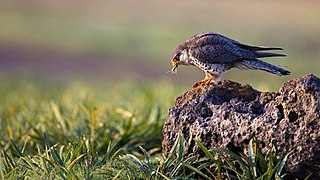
(261, 65)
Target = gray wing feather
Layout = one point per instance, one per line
(215, 54)
(209, 37)
(215, 48)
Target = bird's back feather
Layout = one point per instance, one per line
(216, 48)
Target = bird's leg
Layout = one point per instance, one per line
(200, 83)
(209, 79)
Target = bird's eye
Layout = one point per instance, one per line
(178, 56)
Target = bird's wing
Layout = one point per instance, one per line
(214, 54)
(215, 48)
(209, 38)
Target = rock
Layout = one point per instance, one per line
(230, 114)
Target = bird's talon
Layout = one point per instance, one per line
(207, 83)
(195, 85)
(201, 83)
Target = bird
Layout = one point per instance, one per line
(214, 54)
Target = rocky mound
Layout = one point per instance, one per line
(230, 114)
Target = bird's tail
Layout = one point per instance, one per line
(258, 48)
(268, 54)
(261, 65)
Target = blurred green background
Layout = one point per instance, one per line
(106, 41)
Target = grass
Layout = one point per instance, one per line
(111, 131)
(67, 113)
(218, 163)
(64, 124)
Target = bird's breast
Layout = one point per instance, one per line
(216, 68)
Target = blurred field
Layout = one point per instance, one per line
(144, 33)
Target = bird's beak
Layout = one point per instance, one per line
(175, 62)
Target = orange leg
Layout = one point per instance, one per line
(209, 79)
(201, 83)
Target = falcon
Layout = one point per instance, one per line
(214, 54)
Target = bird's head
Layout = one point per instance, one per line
(180, 56)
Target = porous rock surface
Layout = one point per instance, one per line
(230, 114)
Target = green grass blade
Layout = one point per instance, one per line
(58, 116)
(195, 170)
(118, 174)
(283, 162)
(6, 176)
(169, 161)
(306, 178)
(164, 177)
(10, 164)
(262, 162)
(55, 154)
(74, 162)
(146, 154)
(204, 149)
(116, 154)
(252, 153)
(233, 155)
(18, 151)
(133, 159)
(180, 147)
(1, 171)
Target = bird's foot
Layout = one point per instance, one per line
(204, 82)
